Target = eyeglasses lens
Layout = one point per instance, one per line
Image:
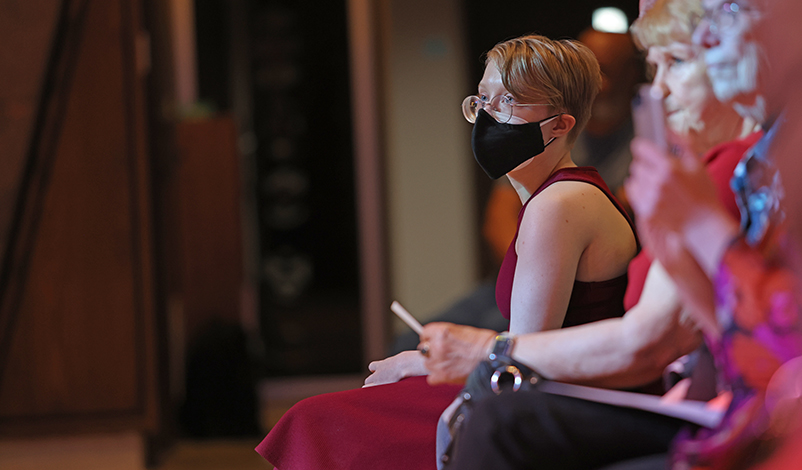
(497, 108)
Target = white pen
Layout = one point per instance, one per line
(407, 317)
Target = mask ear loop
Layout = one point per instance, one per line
(545, 121)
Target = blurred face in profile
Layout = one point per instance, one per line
(692, 111)
(731, 50)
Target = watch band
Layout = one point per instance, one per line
(502, 345)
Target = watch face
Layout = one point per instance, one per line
(502, 346)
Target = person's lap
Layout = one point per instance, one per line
(537, 430)
(388, 426)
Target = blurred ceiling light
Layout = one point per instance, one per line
(610, 20)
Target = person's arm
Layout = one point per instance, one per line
(554, 232)
(682, 221)
(620, 352)
(707, 233)
(675, 194)
(692, 284)
(552, 236)
(616, 353)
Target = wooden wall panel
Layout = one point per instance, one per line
(26, 29)
(82, 348)
(209, 222)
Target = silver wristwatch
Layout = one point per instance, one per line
(502, 345)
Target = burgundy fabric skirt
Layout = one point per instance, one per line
(389, 427)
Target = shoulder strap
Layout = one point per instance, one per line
(584, 174)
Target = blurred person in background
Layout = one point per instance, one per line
(752, 317)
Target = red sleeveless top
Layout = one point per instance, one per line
(590, 301)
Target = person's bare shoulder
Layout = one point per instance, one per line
(573, 201)
(566, 209)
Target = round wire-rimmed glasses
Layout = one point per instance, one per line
(501, 107)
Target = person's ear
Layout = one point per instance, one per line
(563, 125)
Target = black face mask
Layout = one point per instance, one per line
(499, 148)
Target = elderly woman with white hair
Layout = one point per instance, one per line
(562, 432)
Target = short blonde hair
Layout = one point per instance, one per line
(563, 73)
(666, 22)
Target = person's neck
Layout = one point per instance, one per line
(531, 177)
(728, 126)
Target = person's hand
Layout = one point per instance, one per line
(394, 368)
(666, 190)
(454, 350)
(675, 194)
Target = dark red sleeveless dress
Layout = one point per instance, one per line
(393, 426)
(590, 301)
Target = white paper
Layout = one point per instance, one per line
(689, 410)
